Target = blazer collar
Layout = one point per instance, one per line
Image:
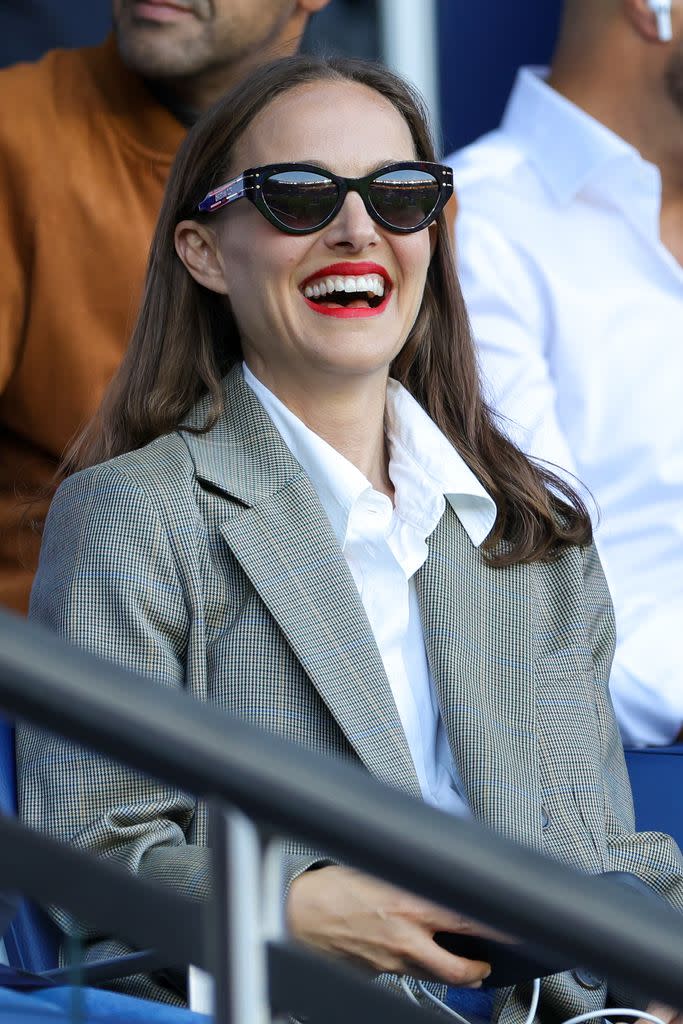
(243, 454)
(278, 531)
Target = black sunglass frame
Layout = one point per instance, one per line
(249, 185)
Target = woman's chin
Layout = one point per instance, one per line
(353, 361)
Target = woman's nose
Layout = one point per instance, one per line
(353, 228)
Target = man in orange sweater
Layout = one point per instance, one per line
(87, 138)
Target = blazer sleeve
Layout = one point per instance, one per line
(652, 856)
(108, 581)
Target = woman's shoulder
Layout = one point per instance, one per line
(159, 474)
(572, 583)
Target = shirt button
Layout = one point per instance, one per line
(587, 979)
(545, 819)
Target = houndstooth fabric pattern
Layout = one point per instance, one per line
(205, 561)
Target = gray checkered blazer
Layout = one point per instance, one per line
(205, 561)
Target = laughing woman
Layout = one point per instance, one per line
(295, 504)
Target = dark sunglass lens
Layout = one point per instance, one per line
(300, 199)
(404, 198)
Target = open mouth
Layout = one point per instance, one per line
(366, 291)
(338, 291)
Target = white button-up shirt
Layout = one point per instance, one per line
(577, 307)
(385, 545)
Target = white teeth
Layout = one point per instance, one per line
(371, 283)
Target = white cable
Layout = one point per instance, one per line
(442, 1006)
(425, 992)
(408, 991)
(432, 998)
(611, 1011)
(535, 996)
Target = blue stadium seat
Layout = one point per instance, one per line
(32, 940)
(657, 781)
(32, 944)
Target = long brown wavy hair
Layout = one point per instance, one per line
(186, 337)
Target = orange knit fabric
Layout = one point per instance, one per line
(84, 155)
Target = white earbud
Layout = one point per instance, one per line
(662, 12)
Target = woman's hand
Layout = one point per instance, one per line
(664, 1012)
(341, 911)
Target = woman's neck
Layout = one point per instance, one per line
(347, 412)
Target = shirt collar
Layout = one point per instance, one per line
(568, 147)
(422, 452)
(421, 460)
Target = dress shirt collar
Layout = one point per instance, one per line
(569, 148)
(423, 457)
(423, 463)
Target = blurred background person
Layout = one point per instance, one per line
(87, 137)
(570, 245)
(29, 28)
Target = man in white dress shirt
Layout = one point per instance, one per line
(570, 252)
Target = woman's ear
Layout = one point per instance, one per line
(197, 247)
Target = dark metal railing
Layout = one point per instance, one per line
(105, 897)
(338, 808)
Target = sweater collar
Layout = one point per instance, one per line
(135, 112)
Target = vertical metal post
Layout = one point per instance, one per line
(218, 940)
(273, 911)
(409, 45)
(240, 964)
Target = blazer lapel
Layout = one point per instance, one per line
(278, 531)
(478, 634)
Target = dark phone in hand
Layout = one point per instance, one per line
(511, 962)
(515, 962)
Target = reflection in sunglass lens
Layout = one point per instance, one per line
(404, 198)
(300, 199)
